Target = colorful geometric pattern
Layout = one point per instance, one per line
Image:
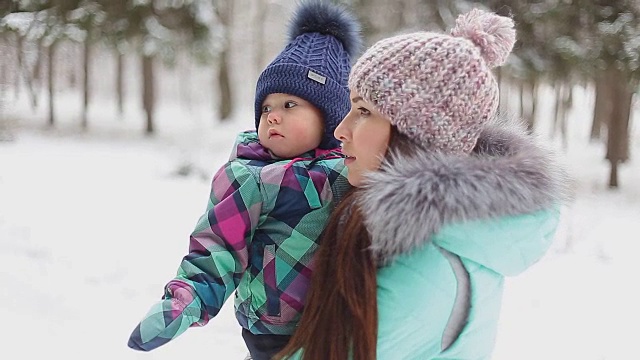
(258, 235)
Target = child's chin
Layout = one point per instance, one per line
(275, 150)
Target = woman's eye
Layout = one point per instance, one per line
(364, 111)
(289, 104)
(266, 109)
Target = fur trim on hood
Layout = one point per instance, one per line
(411, 198)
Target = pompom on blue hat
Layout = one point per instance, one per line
(315, 65)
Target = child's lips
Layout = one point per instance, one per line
(274, 133)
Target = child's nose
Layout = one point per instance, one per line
(274, 117)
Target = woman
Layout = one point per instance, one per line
(447, 202)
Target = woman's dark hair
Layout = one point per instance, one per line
(340, 317)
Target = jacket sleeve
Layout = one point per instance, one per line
(217, 259)
(526, 239)
(415, 296)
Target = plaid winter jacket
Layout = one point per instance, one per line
(258, 235)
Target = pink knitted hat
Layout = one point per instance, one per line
(436, 88)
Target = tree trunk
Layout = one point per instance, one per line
(505, 85)
(564, 101)
(618, 130)
(3, 79)
(521, 89)
(442, 9)
(261, 8)
(528, 102)
(602, 108)
(50, 74)
(184, 82)
(119, 81)
(557, 110)
(72, 65)
(567, 104)
(19, 64)
(225, 106)
(534, 104)
(225, 100)
(27, 72)
(4, 65)
(613, 175)
(85, 83)
(148, 92)
(398, 20)
(36, 78)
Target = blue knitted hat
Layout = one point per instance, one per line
(315, 65)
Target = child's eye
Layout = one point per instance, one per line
(266, 109)
(289, 104)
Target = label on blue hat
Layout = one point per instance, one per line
(317, 77)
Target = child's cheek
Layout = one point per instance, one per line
(299, 133)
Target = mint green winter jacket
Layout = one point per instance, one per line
(447, 230)
(420, 295)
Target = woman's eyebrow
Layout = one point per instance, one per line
(356, 99)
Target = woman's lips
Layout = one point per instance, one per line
(349, 160)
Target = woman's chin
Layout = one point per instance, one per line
(354, 180)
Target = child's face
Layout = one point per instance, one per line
(289, 125)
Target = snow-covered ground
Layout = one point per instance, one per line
(93, 224)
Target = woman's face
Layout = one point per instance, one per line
(364, 134)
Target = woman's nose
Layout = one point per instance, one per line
(341, 131)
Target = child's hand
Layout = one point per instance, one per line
(167, 318)
(180, 293)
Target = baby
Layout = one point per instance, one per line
(271, 201)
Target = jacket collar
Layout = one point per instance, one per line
(247, 146)
(411, 198)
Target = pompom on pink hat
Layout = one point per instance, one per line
(438, 89)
